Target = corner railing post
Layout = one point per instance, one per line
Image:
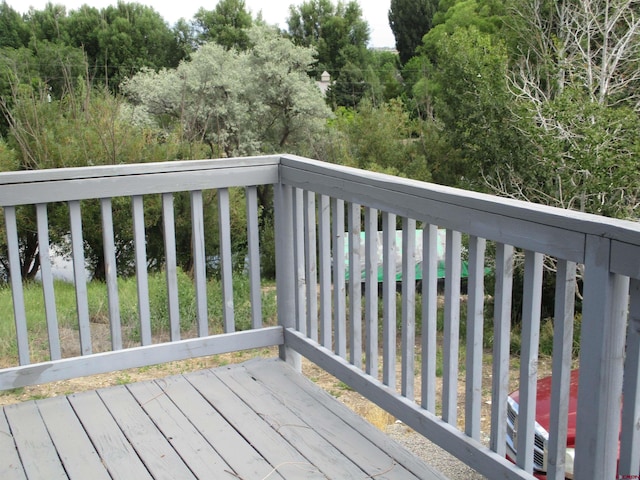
(604, 314)
(285, 271)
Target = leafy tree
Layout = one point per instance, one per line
(54, 71)
(238, 103)
(226, 25)
(486, 16)
(379, 138)
(383, 76)
(410, 20)
(576, 85)
(470, 98)
(47, 25)
(587, 161)
(186, 38)
(83, 27)
(416, 95)
(337, 32)
(350, 87)
(84, 127)
(13, 30)
(120, 40)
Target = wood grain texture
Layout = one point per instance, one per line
(260, 419)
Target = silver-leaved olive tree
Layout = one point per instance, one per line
(238, 102)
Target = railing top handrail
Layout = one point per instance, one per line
(128, 169)
(105, 181)
(583, 223)
(18, 188)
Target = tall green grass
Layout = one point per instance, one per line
(66, 309)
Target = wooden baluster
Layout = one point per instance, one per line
(501, 342)
(475, 324)
(371, 290)
(389, 299)
(142, 278)
(47, 282)
(17, 293)
(111, 273)
(451, 328)
(253, 239)
(199, 262)
(630, 435)
(224, 223)
(80, 278)
(339, 291)
(355, 288)
(408, 306)
(324, 246)
(562, 357)
(531, 309)
(171, 269)
(429, 315)
(299, 259)
(311, 263)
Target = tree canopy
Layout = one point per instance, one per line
(225, 25)
(532, 99)
(237, 102)
(410, 20)
(337, 32)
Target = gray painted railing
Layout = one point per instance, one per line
(137, 182)
(318, 209)
(605, 252)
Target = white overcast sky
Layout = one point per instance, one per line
(273, 11)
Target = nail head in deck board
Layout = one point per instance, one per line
(114, 449)
(179, 430)
(10, 465)
(39, 457)
(74, 448)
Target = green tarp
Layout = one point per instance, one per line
(441, 243)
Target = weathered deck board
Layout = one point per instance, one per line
(256, 420)
(74, 448)
(10, 466)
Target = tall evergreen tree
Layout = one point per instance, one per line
(410, 20)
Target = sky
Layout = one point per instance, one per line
(273, 11)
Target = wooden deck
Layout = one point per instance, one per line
(256, 420)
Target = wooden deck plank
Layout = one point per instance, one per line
(38, 454)
(74, 448)
(309, 443)
(154, 450)
(114, 449)
(10, 465)
(372, 460)
(256, 420)
(367, 446)
(194, 450)
(241, 457)
(268, 442)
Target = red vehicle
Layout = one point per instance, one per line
(543, 412)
